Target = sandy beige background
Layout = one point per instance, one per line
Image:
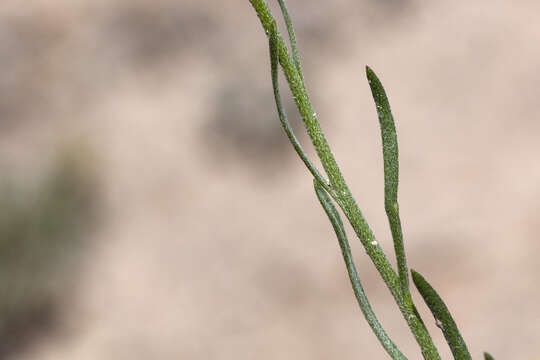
(211, 243)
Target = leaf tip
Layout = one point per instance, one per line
(418, 279)
(369, 72)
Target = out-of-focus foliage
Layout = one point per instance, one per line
(42, 231)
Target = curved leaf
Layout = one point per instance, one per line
(391, 174)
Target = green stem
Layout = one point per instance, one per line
(361, 297)
(340, 191)
(273, 45)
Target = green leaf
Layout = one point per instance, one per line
(487, 356)
(292, 38)
(442, 317)
(361, 297)
(391, 174)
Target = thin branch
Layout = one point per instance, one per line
(273, 43)
(339, 189)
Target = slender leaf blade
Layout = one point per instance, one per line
(292, 38)
(391, 174)
(442, 317)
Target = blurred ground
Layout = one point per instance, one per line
(210, 242)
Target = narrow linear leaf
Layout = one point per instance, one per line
(442, 317)
(292, 38)
(361, 297)
(391, 174)
(487, 356)
(274, 60)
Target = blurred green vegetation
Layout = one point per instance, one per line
(43, 226)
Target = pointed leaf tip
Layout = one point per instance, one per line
(487, 356)
(391, 173)
(370, 73)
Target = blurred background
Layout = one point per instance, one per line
(151, 207)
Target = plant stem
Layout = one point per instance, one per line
(339, 189)
(361, 297)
